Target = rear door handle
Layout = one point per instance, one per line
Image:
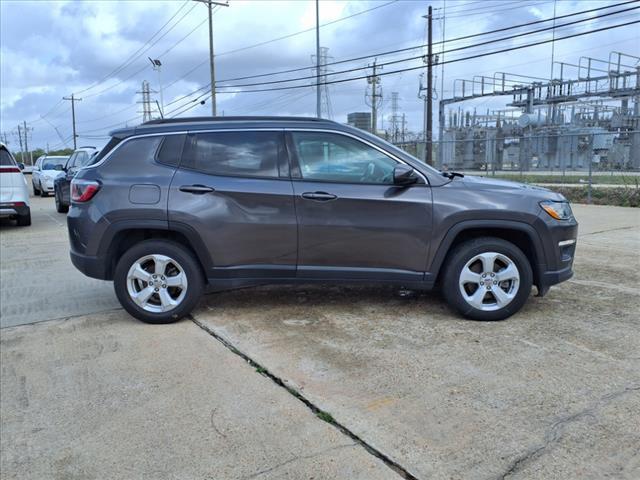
(319, 196)
(197, 189)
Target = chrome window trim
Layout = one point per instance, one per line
(261, 129)
(133, 137)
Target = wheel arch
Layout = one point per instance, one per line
(521, 234)
(123, 235)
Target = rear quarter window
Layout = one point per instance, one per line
(171, 150)
(136, 150)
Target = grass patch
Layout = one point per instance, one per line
(616, 179)
(621, 197)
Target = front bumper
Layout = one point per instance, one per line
(559, 243)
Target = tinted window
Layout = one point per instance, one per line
(106, 149)
(250, 154)
(338, 158)
(5, 158)
(138, 150)
(171, 150)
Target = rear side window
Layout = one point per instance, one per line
(247, 154)
(171, 150)
(5, 158)
(106, 149)
(138, 150)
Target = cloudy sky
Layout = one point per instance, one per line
(99, 51)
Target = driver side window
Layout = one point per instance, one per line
(330, 157)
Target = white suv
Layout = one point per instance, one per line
(45, 171)
(14, 193)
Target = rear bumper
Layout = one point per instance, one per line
(91, 266)
(8, 210)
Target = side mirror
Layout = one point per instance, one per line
(21, 165)
(404, 175)
(59, 168)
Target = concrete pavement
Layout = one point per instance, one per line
(553, 392)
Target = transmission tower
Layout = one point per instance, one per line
(373, 96)
(395, 117)
(326, 110)
(146, 101)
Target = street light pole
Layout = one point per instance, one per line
(212, 67)
(157, 66)
(318, 101)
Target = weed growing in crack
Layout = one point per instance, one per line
(325, 416)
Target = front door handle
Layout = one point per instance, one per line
(319, 196)
(197, 189)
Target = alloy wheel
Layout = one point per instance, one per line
(157, 283)
(489, 281)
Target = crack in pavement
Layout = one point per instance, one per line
(296, 458)
(554, 433)
(321, 414)
(608, 230)
(65, 317)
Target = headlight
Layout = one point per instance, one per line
(558, 210)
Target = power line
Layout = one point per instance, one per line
(471, 57)
(465, 37)
(135, 54)
(418, 57)
(141, 53)
(284, 37)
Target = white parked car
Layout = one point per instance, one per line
(46, 169)
(14, 192)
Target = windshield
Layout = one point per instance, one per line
(49, 163)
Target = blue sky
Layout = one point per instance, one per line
(50, 49)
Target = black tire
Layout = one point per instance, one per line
(24, 220)
(465, 252)
(43, 193)
(36, 191)
(180, 254)
(60, 207)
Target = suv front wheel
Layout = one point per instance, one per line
(487, 279)
(158, 281)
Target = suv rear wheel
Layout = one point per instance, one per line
(158, 281)
(487, 279)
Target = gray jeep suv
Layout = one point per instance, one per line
(171, 205)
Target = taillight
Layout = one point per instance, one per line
(83, 190)
(10, 170)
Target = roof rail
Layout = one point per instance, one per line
(86, 146)
(160, 121)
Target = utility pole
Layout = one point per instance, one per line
(318, 100)
(375, 97)
(429, 113)
(20, 140)
(212, 67)
(73, 117)
(26, 144)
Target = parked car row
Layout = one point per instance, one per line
(14, 193)
(50, 174)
